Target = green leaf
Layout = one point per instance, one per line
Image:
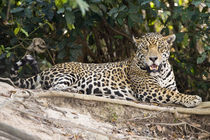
(135, 17)
(73, 3)
(122, 8)
(2, 49)
(157, 3)
(8, 54)
(185, 41)
(192, 70)
(120, 21)
(112, 11)
(207, 48)
(145, 2)
(61, 10)
(130, 22)
(16, 31)
(83, 6)
(64, 1)
(115, 15)
(59, 3)
(50, 25)
(71, 26)
(24, 31)
(70, 19)
(16, 10)
(28, 13)
(95, 9)
(68, 9)
(196, 3)
(103, 7)
(133, 9)
(202, 58)
(199, 60)
(96, 1)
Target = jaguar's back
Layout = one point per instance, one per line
(105, 79)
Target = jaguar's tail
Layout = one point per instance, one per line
(31, 82)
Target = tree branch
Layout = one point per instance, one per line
(197, 111)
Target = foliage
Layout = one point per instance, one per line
(101, 31)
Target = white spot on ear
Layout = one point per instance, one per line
(170, 38)
(136, 40)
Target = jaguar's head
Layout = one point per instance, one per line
(152, 51)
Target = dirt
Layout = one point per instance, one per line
(69, 118)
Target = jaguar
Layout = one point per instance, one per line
(147, 76)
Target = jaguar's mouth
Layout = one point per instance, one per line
(153, 67)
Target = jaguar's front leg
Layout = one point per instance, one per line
(163, 95)
(148, 91)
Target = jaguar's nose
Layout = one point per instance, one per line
(153, 59)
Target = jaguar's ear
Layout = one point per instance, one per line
(170, 38)
(136, 40)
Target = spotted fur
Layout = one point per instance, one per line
(147, 76)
